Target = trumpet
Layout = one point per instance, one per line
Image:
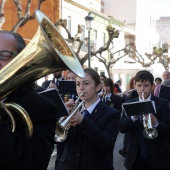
(149, 132)
(127, 91)
(63, 124)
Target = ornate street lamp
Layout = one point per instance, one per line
(88, 20)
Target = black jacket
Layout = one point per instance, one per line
(158, 150)
(90, 145)
(18, 150)
(115, 102)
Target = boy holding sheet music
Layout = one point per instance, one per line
(146, 153)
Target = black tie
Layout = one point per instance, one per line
(106, 99)
(86, 113)
(57, 83)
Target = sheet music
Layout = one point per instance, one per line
(52, 94)
(139, 107)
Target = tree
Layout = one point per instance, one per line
(112, 60)
(157, 56)
(23, 17)
(2, 18)
(112, 33)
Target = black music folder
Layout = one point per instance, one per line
(139, 107)
(67, 87)
(53, 95)
(164, 92)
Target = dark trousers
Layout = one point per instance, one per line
(141, 164)
(125, 141)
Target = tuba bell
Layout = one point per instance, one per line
(46, 53)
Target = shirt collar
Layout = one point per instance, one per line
(91, 108)
(149, 98)
(109, 95)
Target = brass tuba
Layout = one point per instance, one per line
(46, 53)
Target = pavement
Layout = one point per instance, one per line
(118, 160)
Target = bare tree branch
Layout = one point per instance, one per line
(39, 3)
(112, 34)
(2, 17)
(23, 18)
(63, 24)
(75, 39)
(155, 57)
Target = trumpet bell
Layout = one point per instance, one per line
(61, 134)
(63, 124)
(150, 133)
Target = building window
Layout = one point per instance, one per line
(96, 69)
(104, 38)
(69, 23)
(93, 40)
(83, 47)
(102, 72)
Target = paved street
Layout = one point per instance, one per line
(118, 159)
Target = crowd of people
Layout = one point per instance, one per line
(131, 126)
(93, 128)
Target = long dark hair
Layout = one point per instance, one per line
(109, 82)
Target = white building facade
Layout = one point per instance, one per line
(140, 16)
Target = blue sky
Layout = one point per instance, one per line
(164, 7)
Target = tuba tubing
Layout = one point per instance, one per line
(24, 115)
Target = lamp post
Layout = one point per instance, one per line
(88, 20)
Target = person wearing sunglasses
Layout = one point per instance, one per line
(17, 149)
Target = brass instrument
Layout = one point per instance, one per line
(63, 124)
(47, 53)
(149, 132)
(127, 91)
(21, 111)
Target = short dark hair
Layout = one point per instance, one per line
(95, 76)
(109, 82)
(102, 75)
(20, 41)
(144, 75)
(118, 82)
(158, 78)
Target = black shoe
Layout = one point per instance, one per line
(122, 152)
